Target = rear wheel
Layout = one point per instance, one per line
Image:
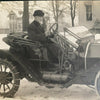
(9, 79)
(97, 83)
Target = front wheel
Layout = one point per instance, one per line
(9, 79)
(97, 83)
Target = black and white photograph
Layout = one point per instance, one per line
(50, 50)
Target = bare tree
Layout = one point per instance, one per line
(58, 8)
(55, 6)
(10, 6)
(73, 10)
(26, 15)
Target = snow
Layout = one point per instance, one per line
(33, 91)
(80, 31)
(3, 45)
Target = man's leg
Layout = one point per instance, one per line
(52, 50)
(44, 53)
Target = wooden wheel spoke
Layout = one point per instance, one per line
(5, 68)
(0, 85)
(9, 77)
(10, 82)
(1, 68)
(4, 88)
(8, 86)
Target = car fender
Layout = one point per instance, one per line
(6, 55)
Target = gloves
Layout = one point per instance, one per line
(50, 36)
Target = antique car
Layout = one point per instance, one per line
(25, 59)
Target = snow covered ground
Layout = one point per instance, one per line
(33, 91)
(3, 45)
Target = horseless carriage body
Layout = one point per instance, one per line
(25, 59)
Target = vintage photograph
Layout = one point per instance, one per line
(50, 50)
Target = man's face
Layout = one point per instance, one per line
(39, 19)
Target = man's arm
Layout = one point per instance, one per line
(34, 36)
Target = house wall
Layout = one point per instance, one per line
(4, 22)
(95, 13)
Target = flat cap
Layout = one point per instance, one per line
(38, 13)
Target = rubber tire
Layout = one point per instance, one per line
(16, 84)
(97, 83)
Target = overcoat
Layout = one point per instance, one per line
(36, 32)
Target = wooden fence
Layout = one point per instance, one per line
(4, 30)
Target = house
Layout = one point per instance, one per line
(4, 22)
(89, 14)
(14, 15)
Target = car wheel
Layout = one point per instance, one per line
(9, 79)
(97, 83)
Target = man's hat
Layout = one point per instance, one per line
(38, 13)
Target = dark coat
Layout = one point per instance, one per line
(36, 32)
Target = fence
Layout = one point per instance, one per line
(4, 30)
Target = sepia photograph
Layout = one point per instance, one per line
(49, 50)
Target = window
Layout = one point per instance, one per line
(89, 12)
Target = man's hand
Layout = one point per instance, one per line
(47, 33)
(51, 36)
